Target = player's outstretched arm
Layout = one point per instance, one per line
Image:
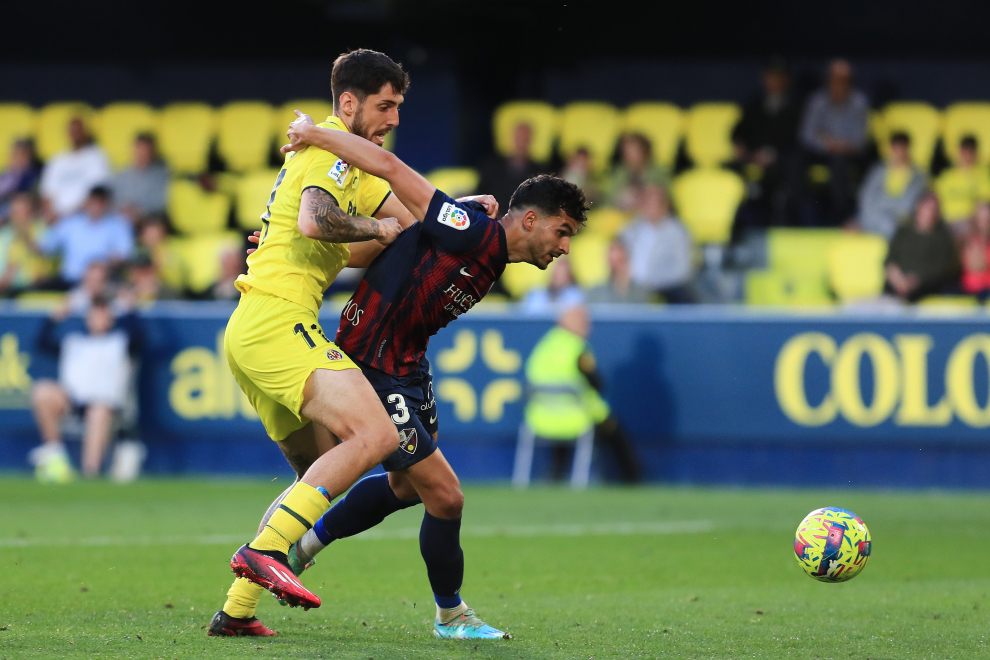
(409, 186)
(321, 218)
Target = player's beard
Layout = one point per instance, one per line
(357, 125)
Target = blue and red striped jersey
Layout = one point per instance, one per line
(432, 273)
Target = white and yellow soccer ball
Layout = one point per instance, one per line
(832, 544)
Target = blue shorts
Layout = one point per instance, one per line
(410, 403)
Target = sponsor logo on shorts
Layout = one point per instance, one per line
(334, 355)
(407, 440)
(338, 173)
(453, 216)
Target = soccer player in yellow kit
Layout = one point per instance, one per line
(282, 359)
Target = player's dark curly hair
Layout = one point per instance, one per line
(364, 72)
(550, 195)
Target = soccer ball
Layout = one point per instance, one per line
(832, 544)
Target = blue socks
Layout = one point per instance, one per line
(369, 502)
(440, 544)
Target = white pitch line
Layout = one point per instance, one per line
(474, 531)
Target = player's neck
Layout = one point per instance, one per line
(344, 120)
(515, 239)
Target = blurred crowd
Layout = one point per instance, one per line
(75, 225)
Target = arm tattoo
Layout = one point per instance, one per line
(335, 225)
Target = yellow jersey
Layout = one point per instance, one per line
(289, 265)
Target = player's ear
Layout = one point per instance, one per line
(530, 220)
(348, 103)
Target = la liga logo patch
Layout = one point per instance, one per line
(334, 355)
(339, 172)
(453, 216)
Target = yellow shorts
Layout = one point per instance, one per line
(272, 347)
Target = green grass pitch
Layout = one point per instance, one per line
(93, 570)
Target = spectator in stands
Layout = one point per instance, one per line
(20, 264)
(21, 175)
(620, 288)
(95, 283)
(141, 188)
(976, 254)
(501, 176)
(891, 190)
(232, 265)
(922, 259)
(93, 234)
(93, 376)
(834, 132)
(69, 176)
(659, 248)
(578, 170)
(766, 136)
(962, 187)
(635, 170)
(561, 292)
(145, 281)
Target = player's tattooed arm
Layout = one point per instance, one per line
(322, 219)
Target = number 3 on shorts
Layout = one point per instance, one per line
(402, 416)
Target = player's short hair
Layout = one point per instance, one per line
(551, 195)
(364, 72)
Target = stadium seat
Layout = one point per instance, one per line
(960, 190)
(455, 181)
(606, 221)
(786, 289)
(708, 132)
(184, 136)
(519, 278)
(251, 194)
(592, 125)
(119, 124)
(707, 199)
(52, 127)
(962, 119)
(800, 250)
(318, 109)
(200, 257)
(950, 302)
(542, 119)
(921, 121)
(195, 211)
(662, 123)
(589, 259)
(244, 138)
(855, 266)
(16, 122)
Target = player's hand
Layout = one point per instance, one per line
(296, 133)
(256, 239)
(489, 202)
(388, 230)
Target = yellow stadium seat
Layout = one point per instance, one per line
(251, 194)
(52, 127)
(589, 259)
(318, 109)
(119, 124)
(921, 121)
(244, 138)
(542, 119)
(592, 125)
(782, 289)
(855, 266)
(184, 136)
(707, 199)
(962, 119)
(874, 126)
(16, 122)
(200, 257)
(800, 250)
(519, 278)
(606, 221)
(455, 181)
(662, 123)
(194, 211)
(708, 132)
(40, 300)
(950, 302)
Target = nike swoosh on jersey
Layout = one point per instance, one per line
(433, 419)
(465, 273)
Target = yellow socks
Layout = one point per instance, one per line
(242, 598)
(300, 509)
